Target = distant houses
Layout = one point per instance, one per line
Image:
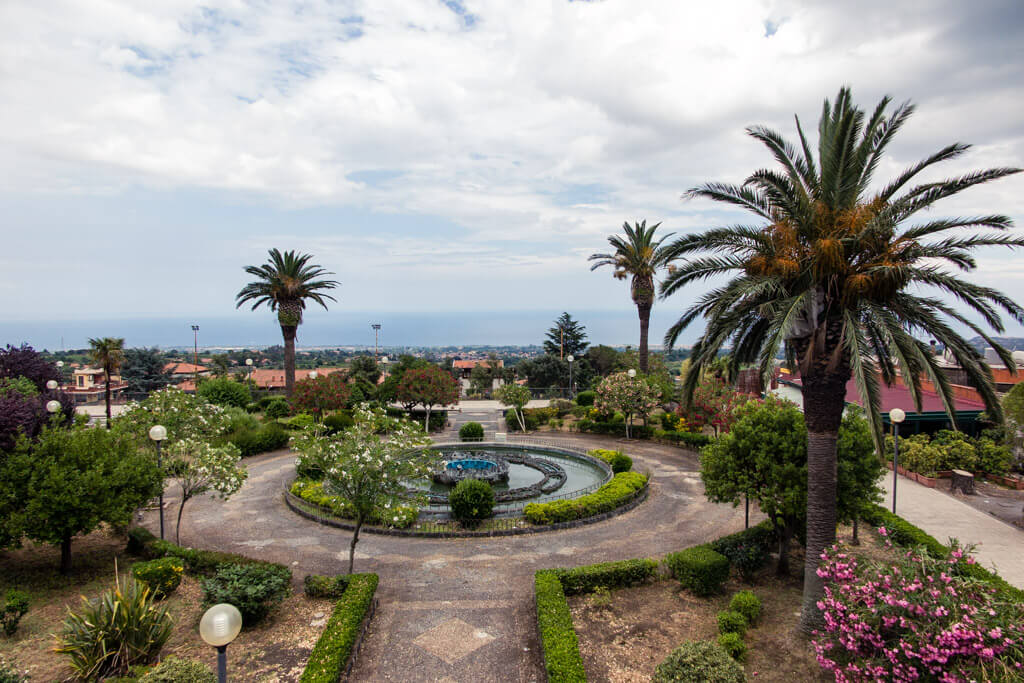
(88, 386)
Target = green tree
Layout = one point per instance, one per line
(200, 467)
(629, 395)
(831, 275)
(284, 283)
(143, 371)
(567, 338)
(365, 370)
(387, 391)
(604, 360)
(75, 479)
(429, 387)
(516, 397)
(639, 256)
(185, 416)
(108, 353)
(858, 469)
(367, 470)
(322, 393)
(223, 391)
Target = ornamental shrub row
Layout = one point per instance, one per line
(619, 461)
(615, 493)
(615, 429)
(269, 437)
(331, 653)
(606, 574)
(557, 637)
(204, 562)
(320, 586)
(700, 569)
(693, 440)
(313, 492)
(162, 575)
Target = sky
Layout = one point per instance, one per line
(444, 155)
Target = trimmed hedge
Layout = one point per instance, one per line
(904, 533)
(586, 398)
(319, 586)
(747, 550)
(699, 662)
(692, 440)
(471, 501)
(615, 493)
(471, 431)
(270, 437)
(700, 569)
(203, 562)
(605, 574)
(615, 429)
(162, 575)
(731, 622)
(733, 644)
(330, 655)
(617, 460)
(747, 604)
(557, 637)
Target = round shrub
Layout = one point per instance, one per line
(747, 604)
(699, 662)
(162, 575)
(224, 392)
(174, 670)
(732, 622)
(255, 589)
(586, 398)
(734, 644)
(14, 607)
(301, 421)
(338, 422)
(700, 569)
(471, 431)
(278, 408)
(471, 500)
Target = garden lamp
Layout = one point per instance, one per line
(158, 433)
(51, 384)
(631, 373)
(53, 407)
(570, 359)
(218, 627)
(248, 366)
(896, 416)
(312, 374)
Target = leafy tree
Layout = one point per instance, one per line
(657, 373)
(832, 274)
(516, 397)
(546, 371)
(199, 467)
(603, 359)
(284, 284)
(325, 392)
(108, 353)
(367, 470)
(387, 391)
(859, 469)
(185, 416)
(713, 403)
(143, 370)
(567, 338)
(639, 256)
(24, 361)
(221, 364)
(429, 387)
(630, 395)
(1013, 405)
(223, 391)
(365, 370)
(75, 479)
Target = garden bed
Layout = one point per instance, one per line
(276, 649)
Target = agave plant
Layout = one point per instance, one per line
(121, 628)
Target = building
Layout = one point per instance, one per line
(1004, 377)
(88, 386)
(272, 379)
(464, 371)
(186, 371)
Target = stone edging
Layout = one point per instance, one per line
(633, 502)
(362, 634)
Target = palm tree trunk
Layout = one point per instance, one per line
(106, 394)
(824, 395)
(288, 332)
(644, 310)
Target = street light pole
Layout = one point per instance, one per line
(896, 416)
(218, 627)
(570, 359)
(158, 433)
(195, 357)
(376, 340)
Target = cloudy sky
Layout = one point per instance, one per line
(441, 154)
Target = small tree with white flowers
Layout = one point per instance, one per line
(199, 467)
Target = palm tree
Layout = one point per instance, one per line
(284, 284)
(832, 274)
(640, 256)
(108, 353)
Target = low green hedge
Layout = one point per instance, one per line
(692, 440)
(319, 586)
(606, 574)
(270, 437)
(617, 460)
(313, 492)
(615, 429)
(330, 655)
(747, 550)
(903, 533)
(557, 637)
(700, 569)
(203, 562)
(615, 493)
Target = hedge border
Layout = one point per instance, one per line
(141, 541)
(335, 650)
(558, 642)
(329, 520)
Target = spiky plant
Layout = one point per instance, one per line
(284, 283)
(833, 274)
(108, 353)
(639, 256)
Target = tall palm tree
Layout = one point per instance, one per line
(284, 284)
(637, 255)
(832, 274)
(108, 353)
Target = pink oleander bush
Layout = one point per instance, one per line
(915, 618)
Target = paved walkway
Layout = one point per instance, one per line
(456, 609)
(943, 516)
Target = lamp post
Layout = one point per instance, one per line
(570, 359)
(631, 373)
(218, 627)
(53, 407)
(312, 374)
(376, 339)
(195, 357)
(248, 367)
(158, 433)
(896, 416)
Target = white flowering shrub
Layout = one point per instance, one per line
(200, 467)
(629, 395)
(186, 417)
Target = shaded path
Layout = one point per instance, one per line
(457, 609)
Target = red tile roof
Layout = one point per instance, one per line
(898, 396)
(184, 368)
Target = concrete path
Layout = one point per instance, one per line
(944, 517)
(456, 609)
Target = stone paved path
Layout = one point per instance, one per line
(457, 609)
(943, 516)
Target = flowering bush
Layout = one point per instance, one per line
(200, 467)
(916, 617)
(184, 415)
(713, 404)
(631, 395)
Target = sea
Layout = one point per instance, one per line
(244, 329)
